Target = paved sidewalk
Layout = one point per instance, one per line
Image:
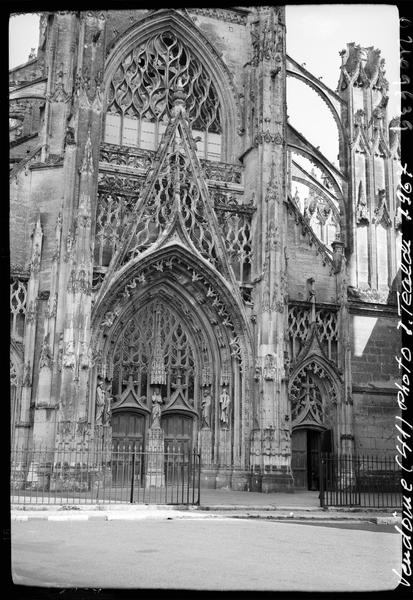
(215, 504)
(164, 513)
(224, 498)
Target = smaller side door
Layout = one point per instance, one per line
(299, 458)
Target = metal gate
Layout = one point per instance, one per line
(360, 480)
(131, 475)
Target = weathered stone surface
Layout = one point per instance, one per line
(176, 254)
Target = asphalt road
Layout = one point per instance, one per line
(218, 554)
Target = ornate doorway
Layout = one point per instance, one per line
(313, 397)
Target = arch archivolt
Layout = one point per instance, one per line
(179, 285)
(175, 263)
(183, 27)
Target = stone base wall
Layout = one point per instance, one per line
(374, 423)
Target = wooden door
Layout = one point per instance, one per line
(178, 432)
(128, 430)
(313, 453)
(299, 458)
(178, 446)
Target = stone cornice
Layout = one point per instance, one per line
(308, 304)
(370, 309)
(379, 391)
(231, 15)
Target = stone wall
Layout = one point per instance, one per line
(375, 343)
(374, 422)
(19, 226)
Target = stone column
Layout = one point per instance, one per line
(266, 171)
(155, 448)
(31, 323)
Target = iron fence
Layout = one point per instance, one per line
(130, 475)
(360, 481)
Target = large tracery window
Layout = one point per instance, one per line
(155, 347)
(140, 97)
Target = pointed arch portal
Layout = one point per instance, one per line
(314, 396)
(171, 325)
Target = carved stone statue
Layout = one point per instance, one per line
(100, 402)
(107, 403)
(206, 409)
(224, 402)
(156, 409)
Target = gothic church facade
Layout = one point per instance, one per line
(163, 259)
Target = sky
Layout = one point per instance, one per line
(315, 36)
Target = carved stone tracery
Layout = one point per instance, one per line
(154, 348)
(313, 396)
(299, 319)
(174, 198)
(18, 306)
(142, 85)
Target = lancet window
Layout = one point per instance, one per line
(18, 302)
(155, 348)
(140, 96)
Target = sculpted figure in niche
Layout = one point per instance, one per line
(156, 409)
(224, 402)
(100, 401)
(107, 402)
(206, 409)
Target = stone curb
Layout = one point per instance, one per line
(178, 515)
(191, 508)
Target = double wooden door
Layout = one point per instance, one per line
(128, 439)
